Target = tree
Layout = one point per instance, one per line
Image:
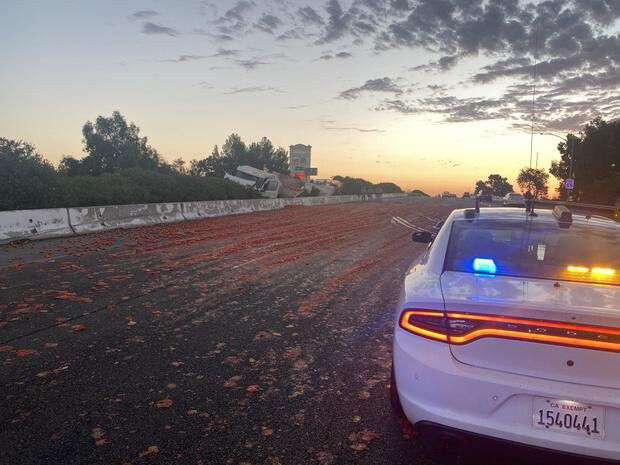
(234, 153)
(419, 193)
(111, 145)
(214, 165)
(27, 180)
(533, 182)
(388, 188)
(494, 185)
(235, 149)
(178, 165)
(357, 186)
(595, 156)
(263, 155)
(482, 188)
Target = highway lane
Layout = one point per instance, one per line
(250, 339)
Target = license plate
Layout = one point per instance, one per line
(570, 417)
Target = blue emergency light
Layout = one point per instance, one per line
(485, 265)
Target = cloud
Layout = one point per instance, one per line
(218, 37)
(398, 106)
(571, 46)
(184, 58)
(143, 14)
(445, 63)
(437, 88)
(373, 85)
(341, 55)
(152, 28)
(234, 20)
(254, 89)
(204, 85)
(256, 61)
(353, 128)
(268, 23)
(224, 52)
(309, 16)
(557, 108)
(290, 35)
(338, 22)
(207, 8)
(601, 11)
(250, 64)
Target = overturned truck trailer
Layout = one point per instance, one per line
(270, 185)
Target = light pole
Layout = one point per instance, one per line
(570, 151)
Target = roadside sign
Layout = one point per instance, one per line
(569, 184)
(311, 171)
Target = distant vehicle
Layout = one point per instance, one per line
(485, 197)
(513, 199)
(448, 195)
(509, 327)
(268, 184)
(497, 198)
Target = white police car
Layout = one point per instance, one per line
(509, 327)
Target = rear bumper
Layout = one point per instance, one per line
(435, 388)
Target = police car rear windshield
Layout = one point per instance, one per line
(583, 253)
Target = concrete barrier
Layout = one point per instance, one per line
(192, 210)
(34, 224)
(40, 224)
(92, 219)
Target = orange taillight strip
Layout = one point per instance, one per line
(525, 335)
(406, 324)
(537, 323)
(559, 340)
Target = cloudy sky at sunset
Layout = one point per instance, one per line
(430, 94)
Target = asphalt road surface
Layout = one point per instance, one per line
(251, 339)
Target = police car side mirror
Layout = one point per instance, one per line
(422, 236)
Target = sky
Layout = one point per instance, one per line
(430, 94)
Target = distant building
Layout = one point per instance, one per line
(299, 160)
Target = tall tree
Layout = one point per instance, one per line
(494, 185)
(178, 165)
(262, 155)
(214, 165)
(595, 159)
(533, 182)
(27, 180)
(235, 149)
(482, 188)
(112, 144)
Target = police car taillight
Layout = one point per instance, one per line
(465, 328)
